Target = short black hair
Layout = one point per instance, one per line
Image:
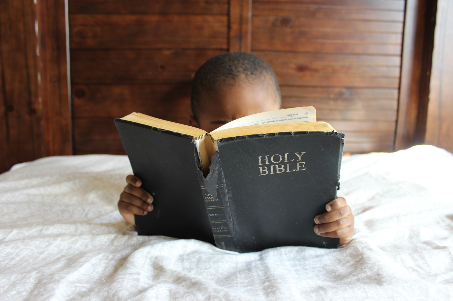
(226, 68)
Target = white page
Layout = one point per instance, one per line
(300, 114)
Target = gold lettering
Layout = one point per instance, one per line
(287, 168)
(300, 166)
(267, 159)
(280, 168)
(299, 156)
(272, 169)
(272, 158)
(286, 158)
(263, 171)
(259, 159)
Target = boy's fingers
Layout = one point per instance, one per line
(345, 240)
(133, 200)
(340, 233)
(331, 216)
(138, 192)
(131, 179)
(336, 225)
(127, 207)
(336, 204)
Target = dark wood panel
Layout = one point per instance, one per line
(166, 101)
(363, 126)
(440, 111)
(315, 68)
(148, 31)
(338, 93)
(151, 55)
(277, 58)
(320, 12)
(367, 147)
(240, 25)
(337, 81)
(96, 136)
(336, 113)
(134, 66)
(343, 104)
(21, 132)
(334, 25)
(278, 34)
(417, 50)
(348, 4)
(54, 76)
(324, 47)
(219, 7)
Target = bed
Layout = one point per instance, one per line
(62, 238)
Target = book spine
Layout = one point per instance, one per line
(214, 193)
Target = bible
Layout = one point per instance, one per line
(254, 183)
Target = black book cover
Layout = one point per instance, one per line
(262, 191)
(166, 163)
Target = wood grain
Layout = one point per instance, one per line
(325, 12)
(137, 66)
(397, 5)
(21, 132)
(54, 76)
(148, 31)
(440, 111)
(158, 7)
(239, 25)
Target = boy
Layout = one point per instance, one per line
(227, 87)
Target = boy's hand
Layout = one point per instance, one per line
(134, 200)
(337, 222)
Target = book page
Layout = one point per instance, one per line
(299, 114)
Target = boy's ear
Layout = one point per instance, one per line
(193, 121)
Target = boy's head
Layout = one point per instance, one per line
(230, 86)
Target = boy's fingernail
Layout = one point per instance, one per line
(138, 183)
(150, 207)
(145, 212)
(316, 220)
(316, 229)
(328, 208)
(150, 200)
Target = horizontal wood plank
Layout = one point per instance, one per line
(347, 4)
(362, 126)
(278, 58)
(337, 81)
(342, 104)
(315, 68)
(324, 47)
(148, 31)
(150, 55)
(338, 93)
(334, 25)
(277, 35)
(219, 7)
(325, 12)
(361, 147)
(119, 66)
(166, 101)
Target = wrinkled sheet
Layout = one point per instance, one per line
(61, 237)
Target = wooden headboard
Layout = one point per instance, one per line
(356, 61)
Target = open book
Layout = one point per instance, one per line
(256, 182)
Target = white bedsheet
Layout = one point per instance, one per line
(61, 237)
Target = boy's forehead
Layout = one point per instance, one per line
(242, 99)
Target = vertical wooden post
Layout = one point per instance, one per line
(53, 76)
(440, 110)
(240, 26)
